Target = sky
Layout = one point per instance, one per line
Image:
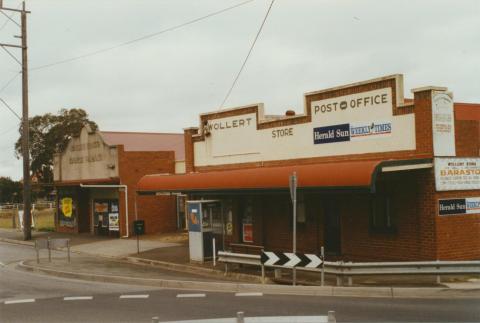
(163, 83)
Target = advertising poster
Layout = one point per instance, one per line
(66, 214)
(443, 125)
(468, 205)
(194, 217)
(247, 232)
(113, 222)
(457, 174)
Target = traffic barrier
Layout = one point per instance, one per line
(349, 269)
(51, 244)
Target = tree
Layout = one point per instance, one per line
(10, 191)
(50, 134)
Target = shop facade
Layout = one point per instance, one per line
(380, 177)
(95, 179)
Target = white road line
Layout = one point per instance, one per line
(2, 264)
(190, 295)
(18, 301)
(135, 296)
(249, 294)
(78, 298)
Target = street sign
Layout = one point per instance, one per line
(291, 260)
(139, 227)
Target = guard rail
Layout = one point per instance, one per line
(349, 269)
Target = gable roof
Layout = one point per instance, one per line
(147, 141)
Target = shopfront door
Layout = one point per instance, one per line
(105, 217)
(332, 227)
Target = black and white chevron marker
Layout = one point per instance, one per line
(288, 259)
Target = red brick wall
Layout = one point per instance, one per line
(458, 235)
(158, 212)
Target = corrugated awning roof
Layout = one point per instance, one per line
(354, 175)
(147, 141)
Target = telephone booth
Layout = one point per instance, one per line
(205, 222)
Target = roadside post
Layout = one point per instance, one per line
(138, 228)
(293, 195)
(322, 254)
(214, 252)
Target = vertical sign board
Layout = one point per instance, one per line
(454, 174)
(443, 124)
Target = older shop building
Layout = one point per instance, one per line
(96, 177)
(380, 177)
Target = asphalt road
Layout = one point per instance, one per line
(44, 301)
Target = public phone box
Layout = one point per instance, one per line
(201, 228)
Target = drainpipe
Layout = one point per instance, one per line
(126, 199)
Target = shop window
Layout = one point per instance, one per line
(382, 217)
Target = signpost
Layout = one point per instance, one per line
(293, 195)
(138, 228)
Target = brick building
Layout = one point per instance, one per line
(96, 177)
(380, 177)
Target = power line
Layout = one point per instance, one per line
(103, 50)
(9, 82)
(9, 18)
(11, 110)
(248, 55)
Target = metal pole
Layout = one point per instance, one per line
(138, 243)
(294, 224)
(36, 250)
(331, 317)
(322, 254)
(68, 247)
(49, 250)
(214, 253)
(27, 228)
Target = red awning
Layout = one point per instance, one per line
(326, 175)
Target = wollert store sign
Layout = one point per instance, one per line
(467, 205)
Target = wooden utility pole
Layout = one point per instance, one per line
(27, 203)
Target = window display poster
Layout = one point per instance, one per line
(247, 232)
(113, 221)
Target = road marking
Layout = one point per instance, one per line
(249, 294)
(135, 296)
(78, 298)
(190, 295)
(18, 301)
(2, 264)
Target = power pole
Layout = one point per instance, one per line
(27, 203)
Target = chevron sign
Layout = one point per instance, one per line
(288, 259)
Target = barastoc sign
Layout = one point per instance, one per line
(457, 174)
(351, 132)
(443, 125)
(468, 205)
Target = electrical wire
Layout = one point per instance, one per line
(103, 50)
(9, 108)
(248, 55)
(9, 82)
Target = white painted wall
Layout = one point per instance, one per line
(234, 141)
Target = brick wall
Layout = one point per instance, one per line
(158, 212)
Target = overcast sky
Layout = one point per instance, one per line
(163, 83)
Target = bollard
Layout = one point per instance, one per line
(155, 319)
(240, 317)
(331, 317)
(263, 274)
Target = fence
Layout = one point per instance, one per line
(349, 269)
(51, 244)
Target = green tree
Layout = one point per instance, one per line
(49, 134)
(10, 191)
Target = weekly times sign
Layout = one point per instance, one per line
(351, 132)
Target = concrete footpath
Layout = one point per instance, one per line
(111, 260)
